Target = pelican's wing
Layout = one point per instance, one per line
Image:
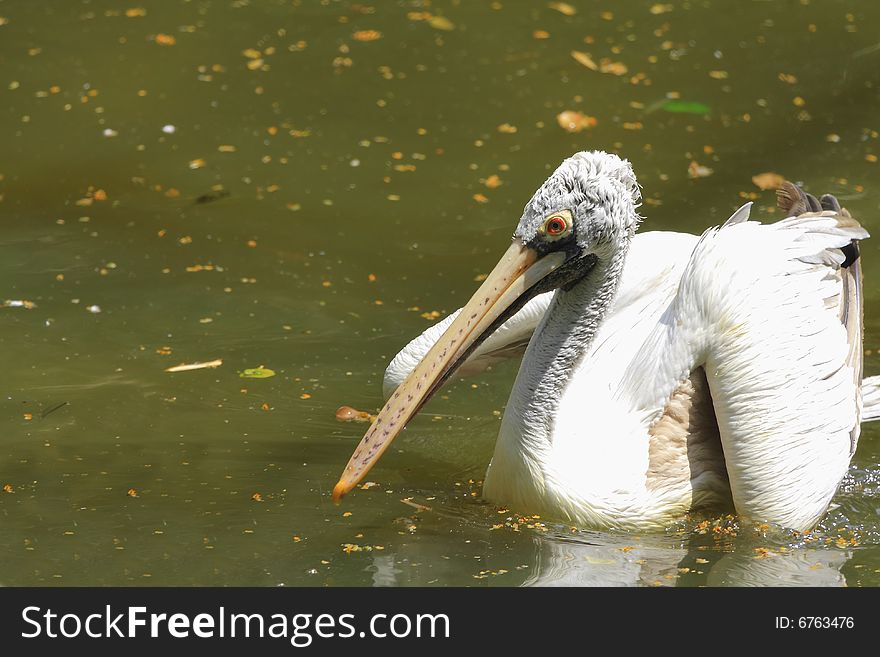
(778, 312)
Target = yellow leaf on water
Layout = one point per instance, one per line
(349, 414)
(658, 9)
(572, 121)
(492, 181)
(585, 59)
(366, 35)
(441, 23)
(768, 180)
(615, 68)
(563, 8)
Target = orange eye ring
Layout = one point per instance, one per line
(555, 226)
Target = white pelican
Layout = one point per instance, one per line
(666, 372)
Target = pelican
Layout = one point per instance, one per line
(664, 372)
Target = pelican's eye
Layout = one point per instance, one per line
(556, 226)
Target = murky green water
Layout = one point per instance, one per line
(190, 181)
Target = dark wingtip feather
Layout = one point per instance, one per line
(791, 199)
(851, 254)
(794, 201)
(830, 202)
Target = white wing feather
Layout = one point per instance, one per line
(764, 305)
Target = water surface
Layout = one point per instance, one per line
(294, 185)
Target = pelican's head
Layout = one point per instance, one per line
(583, 212)
(588, 205)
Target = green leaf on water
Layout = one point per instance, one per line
(685, 107)
(257, 373)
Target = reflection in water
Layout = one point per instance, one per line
(614, 562)
(800, 567)
(620, 561)
(385, 573)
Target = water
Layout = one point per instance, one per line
(190, 181)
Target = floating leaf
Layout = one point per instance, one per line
(256, 373)
(615, 68)
(492, 181)
(605, 65)
(684, 107)
(584, 59)
(658, 9)
(367, 35)
(441, 23)
(563, 8)
(768, 180)
(572, 121)
(349, 414)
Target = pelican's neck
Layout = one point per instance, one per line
(561, 341)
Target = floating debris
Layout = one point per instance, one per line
(210, 198)
(186, 367)
(348, 548)
(697, 170)
(19, 303)
(53, 409)
(418, 507)
(349, 414)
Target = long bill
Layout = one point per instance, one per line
(519, 270)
